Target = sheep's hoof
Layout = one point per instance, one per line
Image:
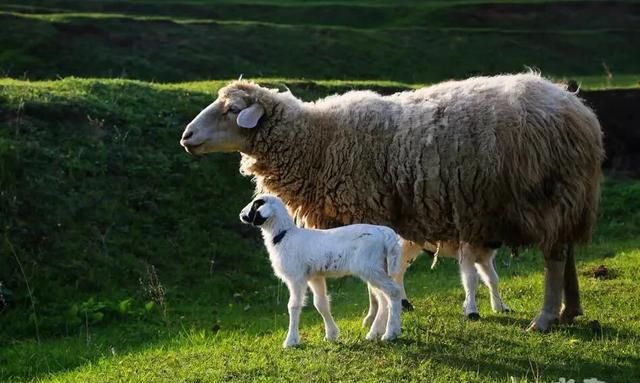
(567, 315)
(390, 336)
(406, 305)
(332, 336)
(473, 316)
(542, 323)
(291, 342)
(372, 336)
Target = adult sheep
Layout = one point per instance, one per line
(513, 159)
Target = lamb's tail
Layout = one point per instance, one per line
(393, 253)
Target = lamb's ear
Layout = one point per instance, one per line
(249, 117)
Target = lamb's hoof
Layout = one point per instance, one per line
(542, 323)
(501, 309)
(291, 342)
(406, 305)
(567, 316)
(375, 332)
(473, 316)
(368, 320)
(332, 336)
(390, 336)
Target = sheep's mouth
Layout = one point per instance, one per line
(191, 149)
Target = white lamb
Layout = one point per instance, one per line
(302, 257)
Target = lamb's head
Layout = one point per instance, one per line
(226, 124)
(263, 208)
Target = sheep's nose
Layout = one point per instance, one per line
(187, 135)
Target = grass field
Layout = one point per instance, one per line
(202, 342)
(97, 147)
(122, 258)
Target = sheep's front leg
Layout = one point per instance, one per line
(373, 308)
(297, 290)
(490, 278)
(321, 302)
(469, 276)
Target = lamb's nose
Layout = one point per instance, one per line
(187, 135)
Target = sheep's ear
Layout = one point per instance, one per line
(249, 117)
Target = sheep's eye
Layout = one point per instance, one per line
(234, 109)
(257, 203)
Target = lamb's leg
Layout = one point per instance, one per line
(392, 294)
(321, 302)
(554, 266)
(410, 251)
(487, 270)
(379, 324)
(373, 308)
(296, 298)
(469, 276)
(572, 307)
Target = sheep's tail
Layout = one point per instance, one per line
(393, 253)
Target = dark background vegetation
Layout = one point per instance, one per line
(96, 196)
(408, 41)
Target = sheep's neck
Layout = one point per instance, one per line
(285, 161)
(276, 228)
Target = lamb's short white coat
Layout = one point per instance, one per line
(302, 257)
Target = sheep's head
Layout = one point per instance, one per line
(261, 209)
(224, 125)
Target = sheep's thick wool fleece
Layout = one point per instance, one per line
(513, 158)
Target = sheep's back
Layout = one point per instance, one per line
(510, 158)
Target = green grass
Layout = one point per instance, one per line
(437, 344)
(413, 42)
(97, 189)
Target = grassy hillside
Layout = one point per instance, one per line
(96, 191)
(411, 42)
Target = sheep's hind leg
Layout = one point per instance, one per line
(373, 308)
(410, 252)
(296, 298)
(554, 267)
(392, 294)
(321, 302)
(380, 321)
(572, 307)
(469, 276)
(487, 270)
